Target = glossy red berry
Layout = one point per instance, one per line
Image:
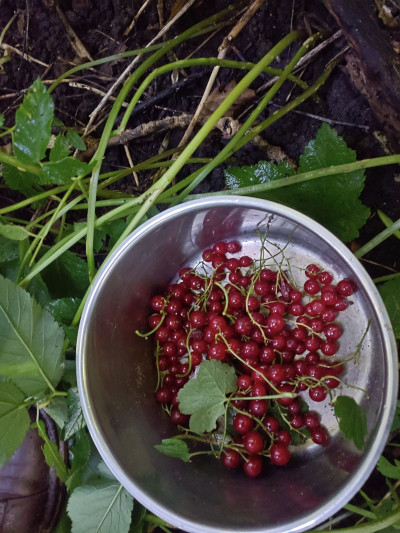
(266, 355)
(311, 286)
(262, 288)
(233, 264)
(294, 408)
(253, 442)
(244, 382)
(217, 350)
(207, 255)
(312, 271)
(312, 343)
(242, 424)
(244, 281)
(280, 455)
(271, 424)
(233, 247)
(332, 332)
(258, 389)
(346, 287)
(325, 278)
(318, 394)
(158, 302)
(275, 323)
(295, 296)
(296, 309)
(253, 466)
(341, 304)
(276, 373)
(258, 408)
(329, 298)
(296, 421)
(164, 395)
(179, 418)
(231, 458)
(319, 436)
(268, 275)
(154, 320)
(162, 334)
(235, 277)
(311, 420)
(285, 387)
(245, 261)
(220, 248)
(317, 325)
(329, 315)
(329, 348)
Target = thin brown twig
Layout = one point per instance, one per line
(134, 20)
(128, 155)
(76, 43)
(307, 57)
(129, 68)
(27, 57)
(244, 19)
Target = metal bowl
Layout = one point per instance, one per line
(116, 376)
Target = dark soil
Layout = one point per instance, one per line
(100, 25)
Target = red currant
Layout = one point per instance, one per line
(280, 455)
(253, 466)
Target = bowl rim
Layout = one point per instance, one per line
(382, 430)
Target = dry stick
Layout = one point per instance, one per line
(307, 57)
(90, 88)
(221, 55)
(76, 43)
(26, 56)
(133, 23)
(129, 68)
(128, 155)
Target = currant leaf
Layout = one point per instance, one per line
(204, 398)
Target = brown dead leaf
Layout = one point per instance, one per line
(385, 14)
(217, 97)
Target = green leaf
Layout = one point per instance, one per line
(64, 525)
(390, 293)
(58, 410)
(9, 250)
(1, 119)
(138, 523)
(71, 333)
(60, 149)
(51, 453)
(100, 509)
(174, 448)
(352, 420)
(204, 397)
(21, 181)
(14, 420)
(67, 276)
(387, 469)
(57, 123)
(31, 341)
(396, 419)
(69, 375)
(332, 200)
(99, 235)
(75, 140)
(80, 452)
(60, 172)
(75, 420)
(64, 309)
(15, 233)
(33, 124)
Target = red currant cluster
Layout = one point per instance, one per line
(260, 323)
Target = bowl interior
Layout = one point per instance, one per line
(117, 376)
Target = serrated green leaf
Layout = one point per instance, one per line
(100, 509)
(71, 333)
(65, 524)
(58, 410)
(14, 420)
(51, 452)
(138, 523)
(15, 233)
(69, 375)
(332, 200)
(60, 172)
(57, 123)
(396, 418)
(67, 276)
(388, 469)
(21, 181)
(352, 420)
(9, 250)
(60, 149)
(75, 421)
(174, 448)
(76, 141)
(64, 309)
(80, 452)
(390, 293)
(33, 121)
(204, 398)
(31, 341)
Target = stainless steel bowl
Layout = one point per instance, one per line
(116, 376)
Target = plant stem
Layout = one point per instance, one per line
(387, 221)
(98, 157)
(151, 195)
(14, 162)
(231, 146)
(185, 63)
(386, 278)
(383, 234)
(306, 176)
(373, 525)
(358, 510)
